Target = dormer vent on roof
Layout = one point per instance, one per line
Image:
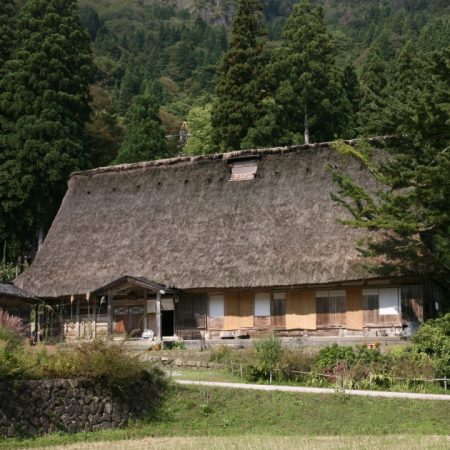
(243, 168)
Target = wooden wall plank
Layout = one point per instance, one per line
(231, 319)
(301, 310)
(355, 309)
(246, 302)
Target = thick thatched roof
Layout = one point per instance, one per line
(181, 223)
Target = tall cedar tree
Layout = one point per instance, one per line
(8, 15)
(144, 138)
(239, 89)
(374, 94)
(44, 99)
(411, 211)
(308, 90)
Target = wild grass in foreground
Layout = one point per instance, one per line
(201, 411)
(399, 442)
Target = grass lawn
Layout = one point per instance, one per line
(241, 419)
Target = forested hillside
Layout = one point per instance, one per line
(172, 49)
(93, 82)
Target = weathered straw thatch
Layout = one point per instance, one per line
(181, 223)
(9, 290)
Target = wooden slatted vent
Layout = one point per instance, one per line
(243, 170)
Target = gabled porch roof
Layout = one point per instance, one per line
(129, 281)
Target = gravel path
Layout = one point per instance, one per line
(312, 390)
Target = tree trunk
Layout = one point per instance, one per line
(40, 238)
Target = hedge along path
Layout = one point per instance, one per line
(312, 390)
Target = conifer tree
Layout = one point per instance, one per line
(375, 92)
(239, 88)
(411, 211)
(308, 92)
(44, 104)
(144, 139)
(351, 101)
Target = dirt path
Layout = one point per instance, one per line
(312, 390)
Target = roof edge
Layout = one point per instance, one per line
(217, 156)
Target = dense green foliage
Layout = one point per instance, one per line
(410, 211)
(7, 28)
(239, 88)
(44, 95)
(407, 368)
(200, 131)
(308, 95)
(343, 59)
(144, 139)
(433, 339)
(100, 362)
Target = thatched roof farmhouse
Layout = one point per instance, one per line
(224, 244)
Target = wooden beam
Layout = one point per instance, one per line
(36, 321)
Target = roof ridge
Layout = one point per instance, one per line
(208, 157)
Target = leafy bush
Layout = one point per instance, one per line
(267, 354)
(368, 356)
(330, 356)
(408, 363)
(433, 339)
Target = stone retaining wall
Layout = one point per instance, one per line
(30, 408)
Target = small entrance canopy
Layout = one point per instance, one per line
(127, 282)
(125, 285)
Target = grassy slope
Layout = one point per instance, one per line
(193, 411)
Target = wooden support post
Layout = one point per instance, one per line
(110, 315)
(94, 312)
(77, 316)
(144, 321)
(158, 316)
(36, 322)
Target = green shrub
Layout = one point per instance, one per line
(408, 363)
(266, 356)
(369, 356)
(433, 339)
(329, 357)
